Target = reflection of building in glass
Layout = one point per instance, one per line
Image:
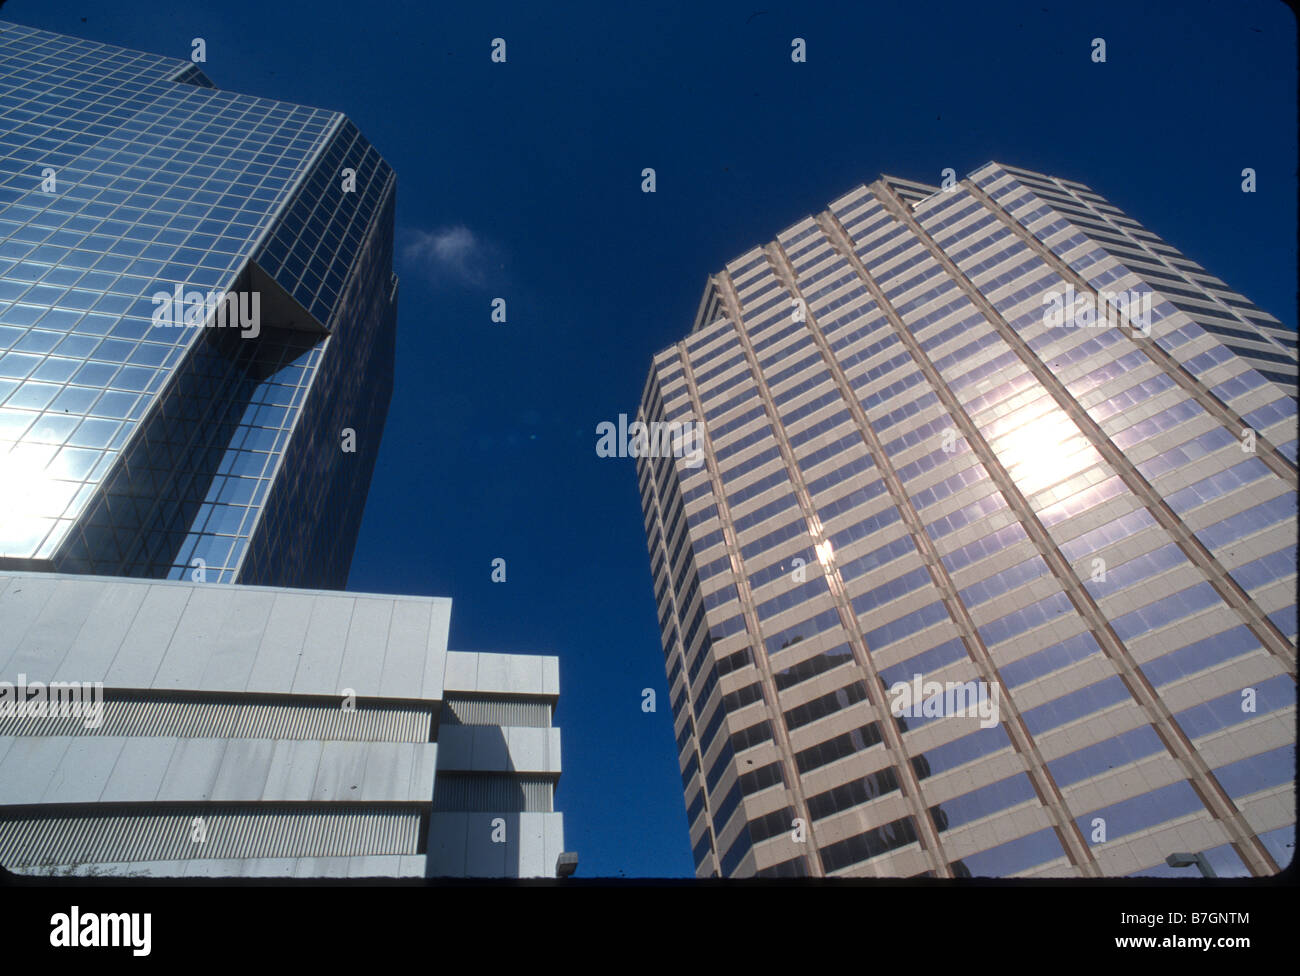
(142, 449)
(246, 730)
(914, 469)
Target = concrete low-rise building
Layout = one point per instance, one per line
(172, 729)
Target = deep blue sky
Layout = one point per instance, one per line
(522, 180)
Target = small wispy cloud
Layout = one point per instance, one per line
(449, 255)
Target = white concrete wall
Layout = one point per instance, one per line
(180, 636)
(154, 634)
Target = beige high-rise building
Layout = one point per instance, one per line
(982, 558)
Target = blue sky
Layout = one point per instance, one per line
(522, 181)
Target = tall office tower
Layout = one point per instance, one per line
(197, 320)
(984, 561)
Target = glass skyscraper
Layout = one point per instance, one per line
(197, 320)
(989, 567)
(197, 323)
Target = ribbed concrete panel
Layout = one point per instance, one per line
(489, 711)
(234, 719)
(482, 792)
(227, 703)
(373, 866)
(168, 834)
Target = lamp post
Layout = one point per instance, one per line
(1187, 860)
(566, 864)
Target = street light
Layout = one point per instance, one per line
(1187, 860)
(566, 864)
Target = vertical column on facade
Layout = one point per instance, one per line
(779, 734)
(1049, 794)
(1199, 775)
(889, 731)
(911, 784)
(671, 592)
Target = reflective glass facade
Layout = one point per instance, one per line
(913, 471)
(140, 444)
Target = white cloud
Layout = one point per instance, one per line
(449, 255)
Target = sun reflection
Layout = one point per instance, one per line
(824, 553)
(25, 490)
(23, 481)
(1043, 452)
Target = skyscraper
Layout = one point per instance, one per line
(197, 319)
(989, 567)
